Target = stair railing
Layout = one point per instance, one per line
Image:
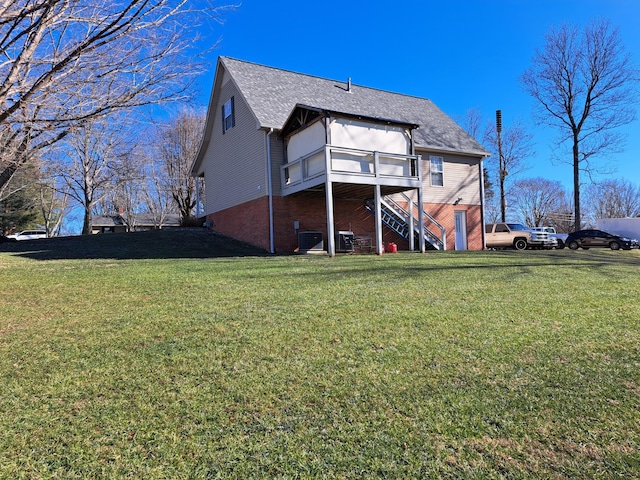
(396, 217)
(438, 241)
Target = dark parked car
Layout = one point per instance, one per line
(597, 238)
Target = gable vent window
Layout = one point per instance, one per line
(228, 115)
(437, 171)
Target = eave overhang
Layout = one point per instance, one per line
(304, 115)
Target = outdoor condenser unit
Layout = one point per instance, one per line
(310, 241)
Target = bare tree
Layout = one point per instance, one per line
(88, 163)
(139, 185)
(511, 147)
(137, 182)
(538, 201)
(14, 151)
(613, 199)
(53, 205)
(562, 219)
(472, 122)
(585, 83)
(157, 198)
(129, 198)
(65, 62)
(178, 143)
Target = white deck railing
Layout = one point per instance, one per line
(346, 164)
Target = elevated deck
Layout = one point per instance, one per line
(348, 166)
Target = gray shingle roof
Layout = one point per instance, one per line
(107, 221)
(273, 93)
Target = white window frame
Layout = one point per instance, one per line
(436, 169)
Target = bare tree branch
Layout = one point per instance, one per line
(585, 84)
(515, 145)
(87, 163)
(66, 61)
(539, 202)
(617, 198)
(177, 146)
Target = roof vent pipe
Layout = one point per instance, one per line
(349, 84)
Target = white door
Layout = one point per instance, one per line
(461, 229)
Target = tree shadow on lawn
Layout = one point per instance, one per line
(592, 257)
(152, 244)
(204, 243)
(584, 258)
(403, 264)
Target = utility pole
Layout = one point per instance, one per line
(502, 171)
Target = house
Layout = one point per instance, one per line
(117, 223)
(296, 162)
(108, 224)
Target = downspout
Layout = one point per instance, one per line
(270, 189)
(198, 212)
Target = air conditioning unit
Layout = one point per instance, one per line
(310, 241)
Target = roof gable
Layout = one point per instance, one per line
(303, 115)
(272, 94)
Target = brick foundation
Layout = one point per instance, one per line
(249, 222)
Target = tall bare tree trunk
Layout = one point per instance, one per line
(576, 184)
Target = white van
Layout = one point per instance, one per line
(29, 235)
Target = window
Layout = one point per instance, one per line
(437, 171)
(228, 115)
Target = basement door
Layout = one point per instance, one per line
(461, 229)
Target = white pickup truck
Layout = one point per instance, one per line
(560, 237)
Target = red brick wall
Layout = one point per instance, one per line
(250, 222)
(444, 213)
(312, 216)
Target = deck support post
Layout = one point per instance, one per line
(412, 242)
(331, 240)
(378, 217)
(421, 220)
(421, 240)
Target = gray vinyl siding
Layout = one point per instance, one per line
(461, 179)
(235, 162)
(277, 160)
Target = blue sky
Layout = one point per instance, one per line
(461, 54)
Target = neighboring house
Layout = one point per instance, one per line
(139, 222)
(287, 157)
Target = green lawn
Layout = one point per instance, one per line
(179, 360)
